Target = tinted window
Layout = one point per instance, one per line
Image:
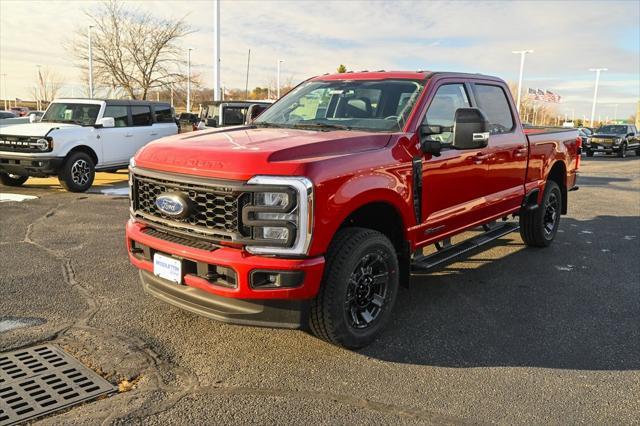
(234, 115)
(442, 109)
(119, 114)
(164, 114)
(493, 102)
(141, 115)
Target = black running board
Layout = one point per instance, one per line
(426, 263)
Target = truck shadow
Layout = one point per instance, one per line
(603, 182)
(574, 305)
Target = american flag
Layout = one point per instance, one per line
(531, 93)
(540, 95)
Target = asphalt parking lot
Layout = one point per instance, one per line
(509, 335)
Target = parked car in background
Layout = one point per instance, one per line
(20, 111)
(584, 133)
(314, 214)
(76, 137)
(188, 121)
(614, 138)
(231, 113)
(7, 114)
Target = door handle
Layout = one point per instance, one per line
(154, 134)
(520, 151)
(481, 157)
(128, 135)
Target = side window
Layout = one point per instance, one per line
(141, 115)
(493, 102)
(164, 114)
(442, 109)
(119, 114)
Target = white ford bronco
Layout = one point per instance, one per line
(76, 137)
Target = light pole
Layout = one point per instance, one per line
(522, 54)
(189, 79)
(90, 63)
(4, 80)
(278, 79)
(595, 92)
(615, 114)
(216, 50)
(40, 90)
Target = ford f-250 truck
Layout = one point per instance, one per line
(315, 214)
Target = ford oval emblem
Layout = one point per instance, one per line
(174, 204)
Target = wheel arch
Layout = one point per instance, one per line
(87, 150)
(558, 174)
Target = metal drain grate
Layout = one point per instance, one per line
(42, 380)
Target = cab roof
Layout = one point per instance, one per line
(399, 75)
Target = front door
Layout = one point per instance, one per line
(453, 184)
(117, 142)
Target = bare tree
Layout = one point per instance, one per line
(49, 85)
(132, 49)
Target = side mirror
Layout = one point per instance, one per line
(470, 129)
(105, 122)
(33, 118)
(254, 111)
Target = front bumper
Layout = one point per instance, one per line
(31, 165)
(200, 295)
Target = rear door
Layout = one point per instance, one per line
(507, 150)
(142, 127)
(164, 123)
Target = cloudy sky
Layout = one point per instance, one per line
(314, 37)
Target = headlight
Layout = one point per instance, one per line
(279, 215)
(618, 141)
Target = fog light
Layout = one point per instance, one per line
(276, 279)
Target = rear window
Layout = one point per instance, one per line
(164, 114)
(493, 102)
(141, 115)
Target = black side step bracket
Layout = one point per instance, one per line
(449, 253)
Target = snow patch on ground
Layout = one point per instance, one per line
(6, 197)
(567, 268)
(11, 323)
(115, 191)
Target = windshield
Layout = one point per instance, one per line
(381, 105)
(75, 113)
(616, 130)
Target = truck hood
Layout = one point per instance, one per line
(243, 152)
(33, 129)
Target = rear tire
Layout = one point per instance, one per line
(359, 288)
(9, 179)
(589, 153)
(539, 227)
(77, 172)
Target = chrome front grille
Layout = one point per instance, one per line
(215, 206)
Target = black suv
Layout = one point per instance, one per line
(610, 138)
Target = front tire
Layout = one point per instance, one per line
(539, 227)
(359, 288)
(589, 153)
(622, 152)
(77, 173)
(9, 179)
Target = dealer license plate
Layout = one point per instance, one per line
(167, 267)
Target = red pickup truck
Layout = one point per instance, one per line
(313, 216)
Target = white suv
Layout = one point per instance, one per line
(76, 137)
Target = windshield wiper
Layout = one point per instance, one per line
(266, 124)
(321, 126)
